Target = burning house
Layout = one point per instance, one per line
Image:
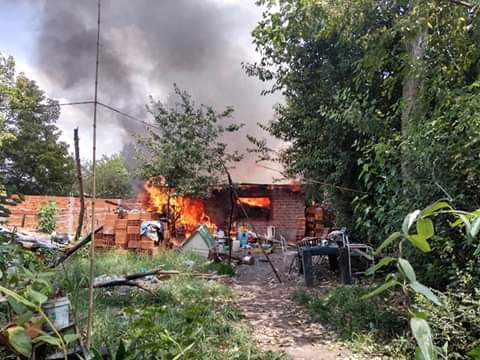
(255, 206)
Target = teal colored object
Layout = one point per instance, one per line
(203, 230)
(243, 237)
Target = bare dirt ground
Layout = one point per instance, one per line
(278, 323)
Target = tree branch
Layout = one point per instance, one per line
(462, 3)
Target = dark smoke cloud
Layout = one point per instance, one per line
(146, 45)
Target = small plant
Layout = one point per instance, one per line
(351, 316)
(47, 217)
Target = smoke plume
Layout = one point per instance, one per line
(146, 46)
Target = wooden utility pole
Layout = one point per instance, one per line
(94, 192)
(81, 213)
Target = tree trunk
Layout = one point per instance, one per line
(411, 90)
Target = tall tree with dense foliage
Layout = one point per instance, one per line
(381, 97)
(31, 156)
(185, 150)
(113, 178)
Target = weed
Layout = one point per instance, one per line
(47, 217)
(349, 315)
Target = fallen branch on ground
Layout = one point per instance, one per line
(128, 280)
(74, 249)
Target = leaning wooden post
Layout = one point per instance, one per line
(81, 213)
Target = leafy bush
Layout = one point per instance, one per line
(456, 321)
(349, 315)
(47, 217)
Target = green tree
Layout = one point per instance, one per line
(112, 177)
(31, 156)
(185, 151)
(381, 97)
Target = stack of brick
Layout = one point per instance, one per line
(124, 233)
(301, 224)
(121, 237)
(315, 222)
(133, 230)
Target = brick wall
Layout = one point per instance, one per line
(24, 215)
(287, 212)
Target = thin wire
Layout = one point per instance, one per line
(312, 181)
(87, 102)
(40, 106)
(131, 117)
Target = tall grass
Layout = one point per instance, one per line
(185, 317)
(349, 315)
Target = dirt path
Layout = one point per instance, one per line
(278, 323)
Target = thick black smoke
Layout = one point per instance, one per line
(146, 45)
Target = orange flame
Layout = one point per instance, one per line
(185, 211)
(256, 201)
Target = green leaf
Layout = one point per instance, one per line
(380, 289)
(418, 354)
(388, 241)
(475, 228)
(419, 242)
(383, 262)
(19, 340)
(474, 353)
(425, 291)
(430, 210)
(477, 251)
(462, 220)
(70, 338)
(17, 307)
(407, 270)
(422, 334)
(35, 296)
(24, 317)
(17, 297)
(425, 228)
(409, 220)
(121, 353)
(49, 340)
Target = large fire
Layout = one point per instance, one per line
(184, 212)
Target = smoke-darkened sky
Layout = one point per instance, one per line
(146, 46)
